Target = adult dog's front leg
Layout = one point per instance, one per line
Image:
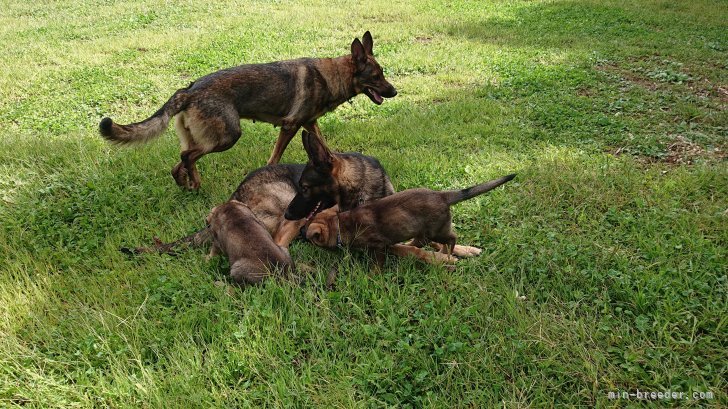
(313, 128)
(287, 231)
(287, 133)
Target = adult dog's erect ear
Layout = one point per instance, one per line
(367, 43)
(358, 53)
(318, 153)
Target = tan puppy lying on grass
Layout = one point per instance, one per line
(251, 250)
(419, 214)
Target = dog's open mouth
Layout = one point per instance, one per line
(314, 211)
(374, 96)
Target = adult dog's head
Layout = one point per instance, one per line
(318, 188)
(368, 75)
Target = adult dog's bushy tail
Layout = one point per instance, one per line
(150, 128)
(456, 196)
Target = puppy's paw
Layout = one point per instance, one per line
(466, 251)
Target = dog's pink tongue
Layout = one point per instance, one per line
(376, 96)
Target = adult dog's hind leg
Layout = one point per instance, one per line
(179, 172)
(209, 134)
(189, 159)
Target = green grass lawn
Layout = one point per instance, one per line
(612, 113)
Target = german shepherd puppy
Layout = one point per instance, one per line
(419, 214)
(345, 179)
(290, 94)
(237, 233)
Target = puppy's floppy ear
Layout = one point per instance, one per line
(358, 53)
(318, 153)
(367, 43)
(313, 233)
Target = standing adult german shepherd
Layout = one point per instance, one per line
(290, 94)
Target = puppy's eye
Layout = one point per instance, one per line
(304, 189)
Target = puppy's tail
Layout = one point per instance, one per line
(456, 196)
(195, 239)
(150, 128)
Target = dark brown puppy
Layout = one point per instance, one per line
(251, 250)
(290, 94)
(419, 214)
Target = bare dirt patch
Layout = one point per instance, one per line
(667, 75)
(681, 151)
(629, 76)
(722, 93)
(684, 152)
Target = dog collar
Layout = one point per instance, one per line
(339, 243)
